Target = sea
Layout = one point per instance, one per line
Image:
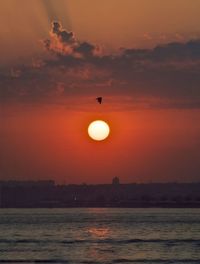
(100, 236)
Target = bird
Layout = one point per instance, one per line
(99, 100)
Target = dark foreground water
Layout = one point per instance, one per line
(100, 236)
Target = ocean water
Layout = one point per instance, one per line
(100, 236)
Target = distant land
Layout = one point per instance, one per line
(46, 194)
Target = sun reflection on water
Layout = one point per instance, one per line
(100, 233)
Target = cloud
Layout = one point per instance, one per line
(170, 51)
(63, 42)
(166, 76)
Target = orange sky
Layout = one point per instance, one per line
(113, 23)
(142, 56)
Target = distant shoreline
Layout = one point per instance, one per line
(46, 194)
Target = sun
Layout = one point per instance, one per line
(98, 130)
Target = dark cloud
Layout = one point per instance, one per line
(170, 51)
(169, 73)
(85, 48)
(62, 35)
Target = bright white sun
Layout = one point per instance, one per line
(98, 130)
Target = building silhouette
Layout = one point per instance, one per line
(46, 194)
(115, 181)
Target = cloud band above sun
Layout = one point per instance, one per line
(166, 76)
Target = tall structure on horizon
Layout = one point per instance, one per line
(115, 181)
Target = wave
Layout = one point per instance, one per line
(111, 241)
(153, 261)
(115, 261)
(33, 261)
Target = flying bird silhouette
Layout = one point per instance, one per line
(99, 100)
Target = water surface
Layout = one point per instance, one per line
(100, 236)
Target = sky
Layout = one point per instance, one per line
(142, 57)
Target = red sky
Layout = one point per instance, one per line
(144, 145)
(51, 72)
